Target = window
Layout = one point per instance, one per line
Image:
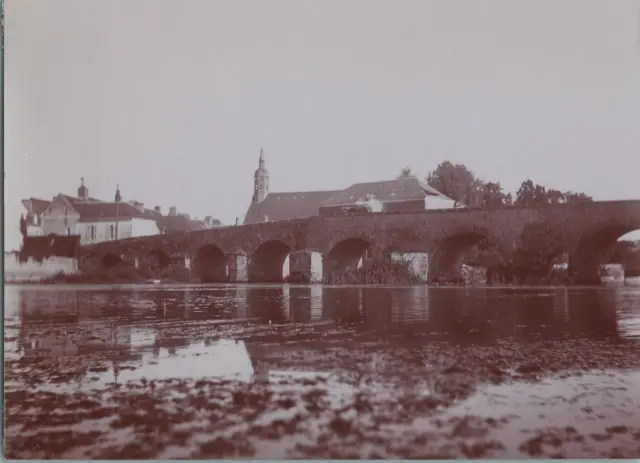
(68, 231)
(112, 232)
(92, 232)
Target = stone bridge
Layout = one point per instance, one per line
(257, 252)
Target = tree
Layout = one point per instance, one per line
(455, 181)
(531, 195)
(555, 197)
(492, 195)
(576, 198)
(534, 195)
(405, 173)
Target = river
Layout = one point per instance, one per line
(286, 371)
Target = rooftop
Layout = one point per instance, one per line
(294, 205)
(93, 209)
(286, 206)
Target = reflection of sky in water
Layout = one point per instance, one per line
(221, 359)
(629, 327)
(556, 403)
(628, 312)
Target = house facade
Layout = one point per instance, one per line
(96, 221)
(398, 195)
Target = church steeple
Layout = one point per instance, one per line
(118, 197)
(260, 180)
(83, 191)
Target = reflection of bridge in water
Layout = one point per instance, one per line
(109, 315)
(59, 323)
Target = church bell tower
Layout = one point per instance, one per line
(260, 181)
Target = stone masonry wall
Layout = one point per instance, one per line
(441, 234)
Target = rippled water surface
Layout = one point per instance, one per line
(287, 371)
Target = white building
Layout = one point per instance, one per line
(95, 221)
(35, 207)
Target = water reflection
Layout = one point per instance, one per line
(100, 317)
(71, 338)
(54, 322)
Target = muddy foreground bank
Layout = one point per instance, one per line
(330, 392)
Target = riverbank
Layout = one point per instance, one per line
(344, 372)
(353, 398)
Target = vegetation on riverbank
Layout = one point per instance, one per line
(377, 271)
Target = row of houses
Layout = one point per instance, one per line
(95, 220)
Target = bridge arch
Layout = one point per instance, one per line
(266, 264)
(592, 248)
(345, 255)
(445, 262)
(210, 264)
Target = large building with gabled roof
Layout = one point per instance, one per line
(96, 221)
(398, 195)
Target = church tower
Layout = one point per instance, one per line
(83, 191)
(260, 181)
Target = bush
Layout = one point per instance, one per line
(376, 272)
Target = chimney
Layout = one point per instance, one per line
(207, 221)
(140, 207)
(173, 211)
(158, 210)
(237, 221)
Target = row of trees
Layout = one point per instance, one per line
(460, 184)
(539, 247)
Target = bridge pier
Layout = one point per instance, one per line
(305, 266)
(445, 266)
(237, 267)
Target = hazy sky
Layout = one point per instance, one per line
(173, 100)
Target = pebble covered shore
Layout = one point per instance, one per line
(336, 394)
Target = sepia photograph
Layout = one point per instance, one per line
(321, 229)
